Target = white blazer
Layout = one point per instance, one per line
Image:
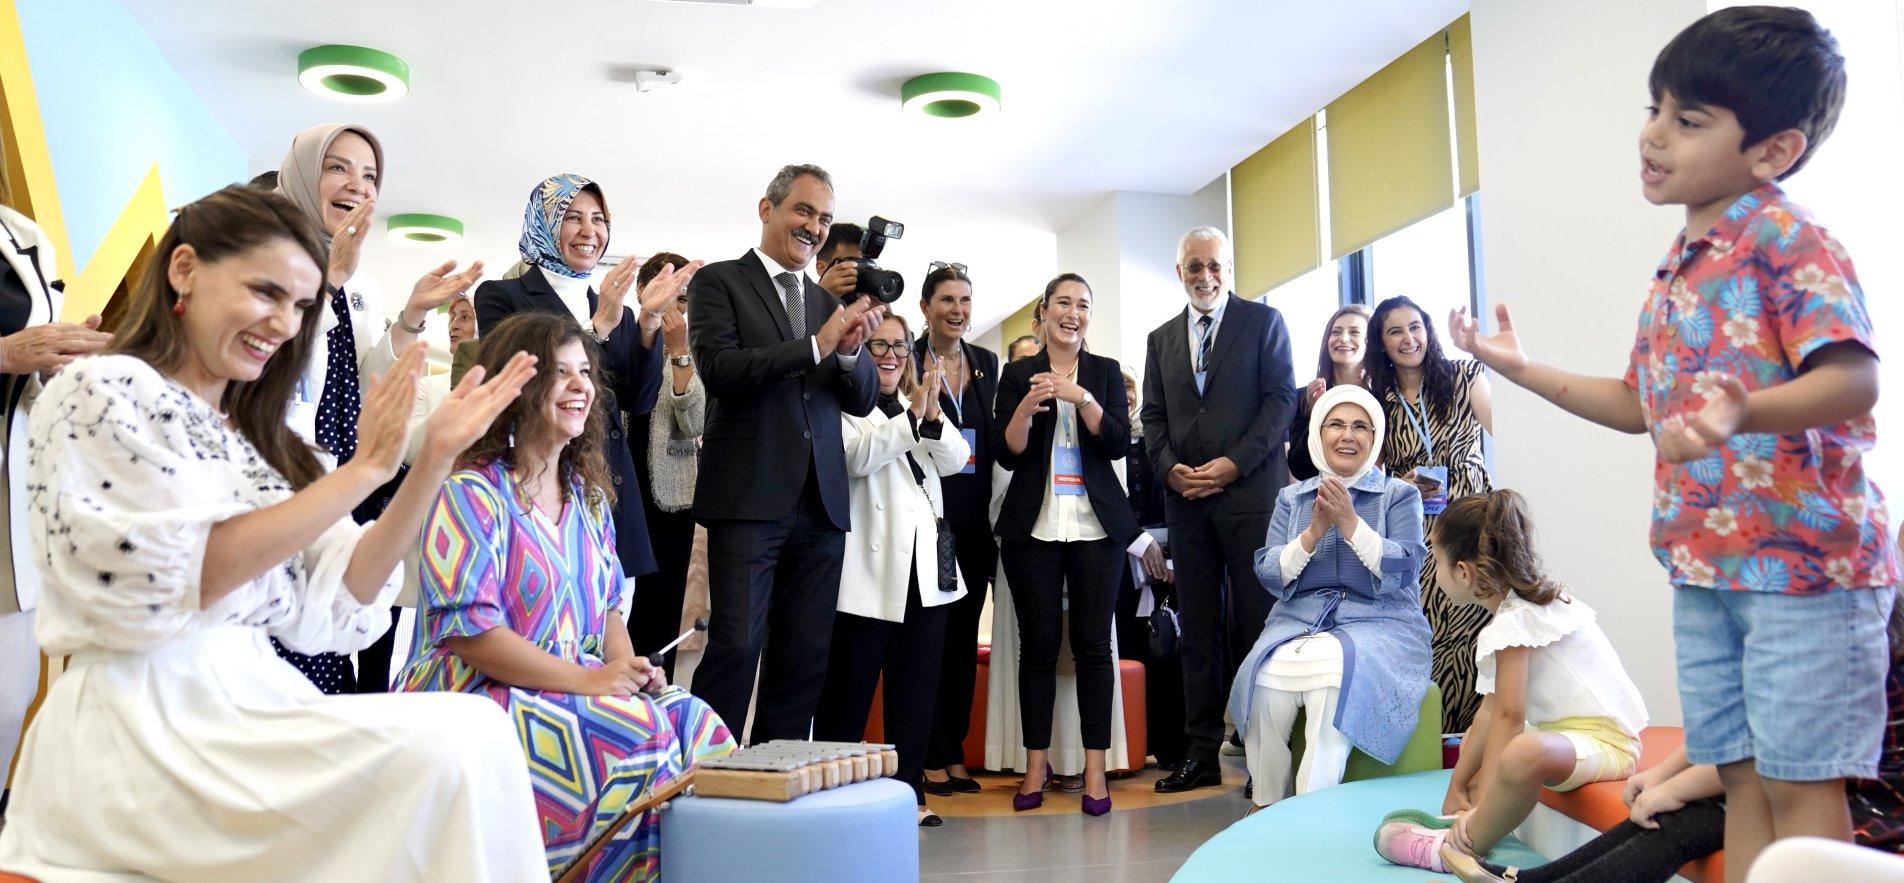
(370, 326)
(895, 528)
(19, 578)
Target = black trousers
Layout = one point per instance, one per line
(908, 653)
(1039, 572)
(373, 662)
(1163, 678)
(655, 617)
(772, 587)
(1219, 625)
(958, 670)
(1632, 854)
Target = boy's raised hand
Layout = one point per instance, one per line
(1500, 350)
(1684, 438)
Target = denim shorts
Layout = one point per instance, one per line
(1793, 682)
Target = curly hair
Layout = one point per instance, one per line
(1437, 373)
(1494, 533)
(526, 420)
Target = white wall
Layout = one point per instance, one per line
(1149, 225)
(1126, 247)
(1570, 244)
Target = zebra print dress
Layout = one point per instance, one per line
(1457, 444)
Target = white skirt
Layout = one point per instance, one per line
(211, 759)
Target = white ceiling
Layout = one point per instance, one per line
(1144, 95)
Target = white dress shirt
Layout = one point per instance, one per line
(574, 295)
(1216, 322)
(1066, 518)
(774, 269)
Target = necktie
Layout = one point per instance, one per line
(337, 407)
(1203, 344)
(790, 296)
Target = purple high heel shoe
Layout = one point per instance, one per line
(1096, 806)
(1022, 802)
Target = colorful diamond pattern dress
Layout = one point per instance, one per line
(490, 562)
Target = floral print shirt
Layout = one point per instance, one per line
(1753, 299)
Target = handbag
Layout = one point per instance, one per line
(948, 557)
(1165, 631)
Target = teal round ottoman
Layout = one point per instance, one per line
(862, 832)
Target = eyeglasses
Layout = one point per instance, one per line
(1358, 427)
(940, 265)
(1199, 267)
(882, 347)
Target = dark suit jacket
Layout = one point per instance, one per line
(968, 498)
(773, 416)
(630, 380)
(1247, 402)
(1024, 498)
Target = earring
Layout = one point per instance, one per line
(178, 306)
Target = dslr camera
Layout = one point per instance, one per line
(884, 286)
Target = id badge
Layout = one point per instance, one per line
(1067, 471)
(971, 445)
(1432, 503)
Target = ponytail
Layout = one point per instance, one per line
(1494, 533)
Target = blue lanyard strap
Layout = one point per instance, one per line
(1421, 427)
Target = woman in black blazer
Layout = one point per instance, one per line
(970, 388)
(564, 235)
(1061, 420)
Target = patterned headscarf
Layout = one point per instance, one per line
(542, 219)
(1349, 394)
(304, 165)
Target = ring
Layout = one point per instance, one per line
(351, 230)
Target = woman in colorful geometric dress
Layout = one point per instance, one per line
(521, 592)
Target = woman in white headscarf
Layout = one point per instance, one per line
(334, 173)
(1346, 638)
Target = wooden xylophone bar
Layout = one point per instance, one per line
(784, 769)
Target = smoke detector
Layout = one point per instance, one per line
(646, 78)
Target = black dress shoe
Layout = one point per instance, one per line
(1191, 774)
(943, 789)
(963, 785)
(1249, 788)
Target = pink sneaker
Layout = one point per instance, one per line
(1411, 845)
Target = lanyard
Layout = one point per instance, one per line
(957, 396)
(1421, 427)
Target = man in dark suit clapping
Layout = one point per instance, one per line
(1218, 398)
(781, 359)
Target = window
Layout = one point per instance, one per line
(1428, 262)
(1306, 303)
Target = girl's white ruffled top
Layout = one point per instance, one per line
(1573, 671)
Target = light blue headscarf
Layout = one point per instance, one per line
(543, 217)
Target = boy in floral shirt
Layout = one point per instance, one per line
(1755, 372)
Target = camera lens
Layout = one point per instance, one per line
(884, 286)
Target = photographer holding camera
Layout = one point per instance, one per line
(846, 261)
(781, 360)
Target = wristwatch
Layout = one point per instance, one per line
(682, 361)
(413, 329)
(1087, 400)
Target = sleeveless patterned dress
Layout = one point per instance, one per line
(1457, 445)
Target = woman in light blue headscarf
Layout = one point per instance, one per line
(1347, 639)
(565, 229)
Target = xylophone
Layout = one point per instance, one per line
(786, 768)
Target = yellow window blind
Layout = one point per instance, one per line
(1390, 151)
(1277, 232)
(1461, 53)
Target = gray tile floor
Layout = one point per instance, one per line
(1127, 845)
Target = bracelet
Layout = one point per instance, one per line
(413, 329)
(655, 315)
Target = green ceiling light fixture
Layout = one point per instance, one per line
(356, 74)
(950, 95)
(424, 229)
